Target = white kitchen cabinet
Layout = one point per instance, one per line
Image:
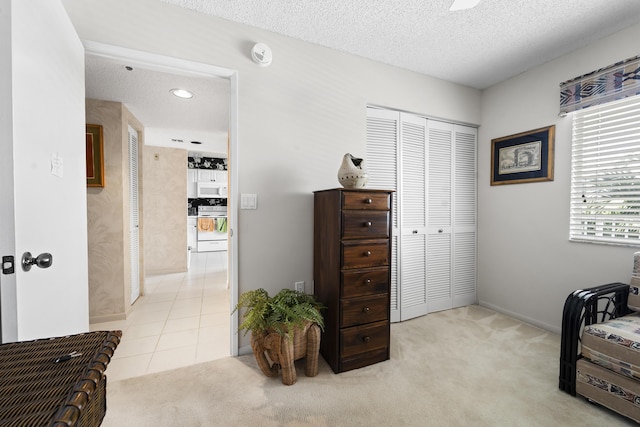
(212, 175)
(206, 175)
(221, 176)
(192, 180)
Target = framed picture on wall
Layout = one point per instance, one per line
(95, 156)
(523, 157)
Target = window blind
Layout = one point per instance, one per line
(605, 173)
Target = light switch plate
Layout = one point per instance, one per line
(248, 201)
(57, 165)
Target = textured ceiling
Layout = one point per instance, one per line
(478, 47)
(146, 94)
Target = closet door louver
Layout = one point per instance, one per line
(465, 218)
(134, 219)
(432, 167)
(413, 218)
(440, 136)
(382, 165)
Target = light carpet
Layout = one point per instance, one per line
(465, 367)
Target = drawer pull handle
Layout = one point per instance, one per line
(368, 253)
(368, 201)
(415, 231)
(365, 309)
(368, 224)
(367, 282)
(366, 338)
(440, 230)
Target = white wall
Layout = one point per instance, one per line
(296, 118)
(526, 265)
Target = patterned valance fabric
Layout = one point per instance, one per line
(604, 85)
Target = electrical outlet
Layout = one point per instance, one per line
(299, 286)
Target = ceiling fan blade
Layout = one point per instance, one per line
(463, 4)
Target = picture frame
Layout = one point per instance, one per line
(94, 156)
(523, 157)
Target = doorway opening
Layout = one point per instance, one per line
(214, 263)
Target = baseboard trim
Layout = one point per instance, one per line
(244, 350)
(534, 322)
(158, 272)
(107, 318)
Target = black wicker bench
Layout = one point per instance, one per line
(37, 390)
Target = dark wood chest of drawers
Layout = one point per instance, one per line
(351, 274)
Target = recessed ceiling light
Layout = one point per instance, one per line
(182, 93)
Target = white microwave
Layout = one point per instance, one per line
(211, 189)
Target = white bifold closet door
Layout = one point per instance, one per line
(465, 185)
(431, 166)
(413, 217)
(134, 215)
(383, 131)
(451, 247)
(439, 262)
(397, 141)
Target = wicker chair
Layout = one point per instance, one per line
(274, 352)
(600, 345)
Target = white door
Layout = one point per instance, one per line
(396, 156)
(465, 216)
(440, 136)
(432, 167)
(451, 251)
(134, 215)
(383, 129)
(413, 217)
(42, 170)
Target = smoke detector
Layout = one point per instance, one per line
(261, 54)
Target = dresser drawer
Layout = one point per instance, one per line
(359, 254)
(361, 310)
(360, 339)
(366, 200)
(364, 282)
(365, 224)
(364, 359)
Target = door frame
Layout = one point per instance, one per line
(180, 66)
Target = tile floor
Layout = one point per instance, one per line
(183, 319)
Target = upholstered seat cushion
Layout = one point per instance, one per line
(615, 344)
(634, 294)
(609, 389)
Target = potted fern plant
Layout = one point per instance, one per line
(284, 328)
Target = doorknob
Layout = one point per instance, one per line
(44, 260)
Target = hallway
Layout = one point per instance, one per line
(183, 319)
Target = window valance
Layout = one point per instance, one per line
(604, 85)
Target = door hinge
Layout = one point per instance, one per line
(8, 263)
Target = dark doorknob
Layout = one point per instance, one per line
(44, 260)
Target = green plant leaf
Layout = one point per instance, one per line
(282, 313)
